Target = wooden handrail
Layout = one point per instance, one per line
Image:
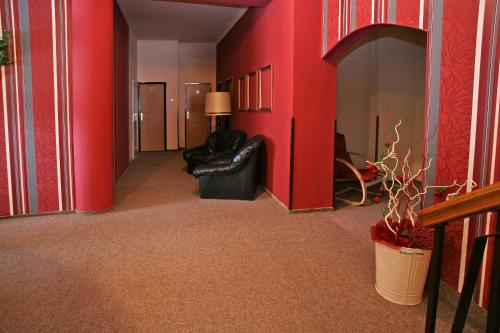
(472, 203)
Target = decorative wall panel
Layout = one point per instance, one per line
(265, 88)
(243, 93)
(252, 91)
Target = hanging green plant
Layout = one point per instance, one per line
(4, 45)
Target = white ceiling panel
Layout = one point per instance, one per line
(185, 22)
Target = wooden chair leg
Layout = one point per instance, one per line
(363, 184)
(350, 202)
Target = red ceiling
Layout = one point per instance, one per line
(236, 3)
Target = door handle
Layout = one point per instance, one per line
(187, 115)
(142, 116)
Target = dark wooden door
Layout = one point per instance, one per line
(152, 116)
(197, 124)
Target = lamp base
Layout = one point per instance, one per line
(221, 123)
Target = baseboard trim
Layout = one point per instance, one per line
(272, 196)
(296, 211)
(312, 210)
(96, 212)
(64, 212)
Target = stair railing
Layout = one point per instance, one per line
(438, 216)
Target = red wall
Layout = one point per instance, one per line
(93, 103)
(264, 36)
(468, 118)
(314, 111)
(120, 87)
(272, 35)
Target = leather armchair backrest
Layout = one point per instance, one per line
(212, 140)
(251, 146)
(225, 140)
(231, 140)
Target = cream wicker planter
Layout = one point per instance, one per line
(401, 273)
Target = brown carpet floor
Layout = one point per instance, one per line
(164, 260)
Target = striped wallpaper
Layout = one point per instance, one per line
(342, 17)
(35, 124)
(463, 98)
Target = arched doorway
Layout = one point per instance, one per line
(381, 79)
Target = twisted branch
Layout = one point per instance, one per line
(404, 190)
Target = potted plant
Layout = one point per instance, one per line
(4, 43)
(402, 244)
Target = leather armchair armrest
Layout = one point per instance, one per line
(200, 149)
(191, 152)
(218, 168)
(222, 160)
(225, 153)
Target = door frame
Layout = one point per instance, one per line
(185, 107)
(135, 119)
(165, 120)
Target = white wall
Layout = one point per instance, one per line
(175, 63)
(354, 90)
(384, 77)
(132, 90)
(157, 61)
(400, 93)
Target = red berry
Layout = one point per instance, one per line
(376, 200)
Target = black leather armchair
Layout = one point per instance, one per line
(232, 178)
(219, 144)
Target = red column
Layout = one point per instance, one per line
(92, 58)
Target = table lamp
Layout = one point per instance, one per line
(218, 104)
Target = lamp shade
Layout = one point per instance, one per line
(217, 104)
